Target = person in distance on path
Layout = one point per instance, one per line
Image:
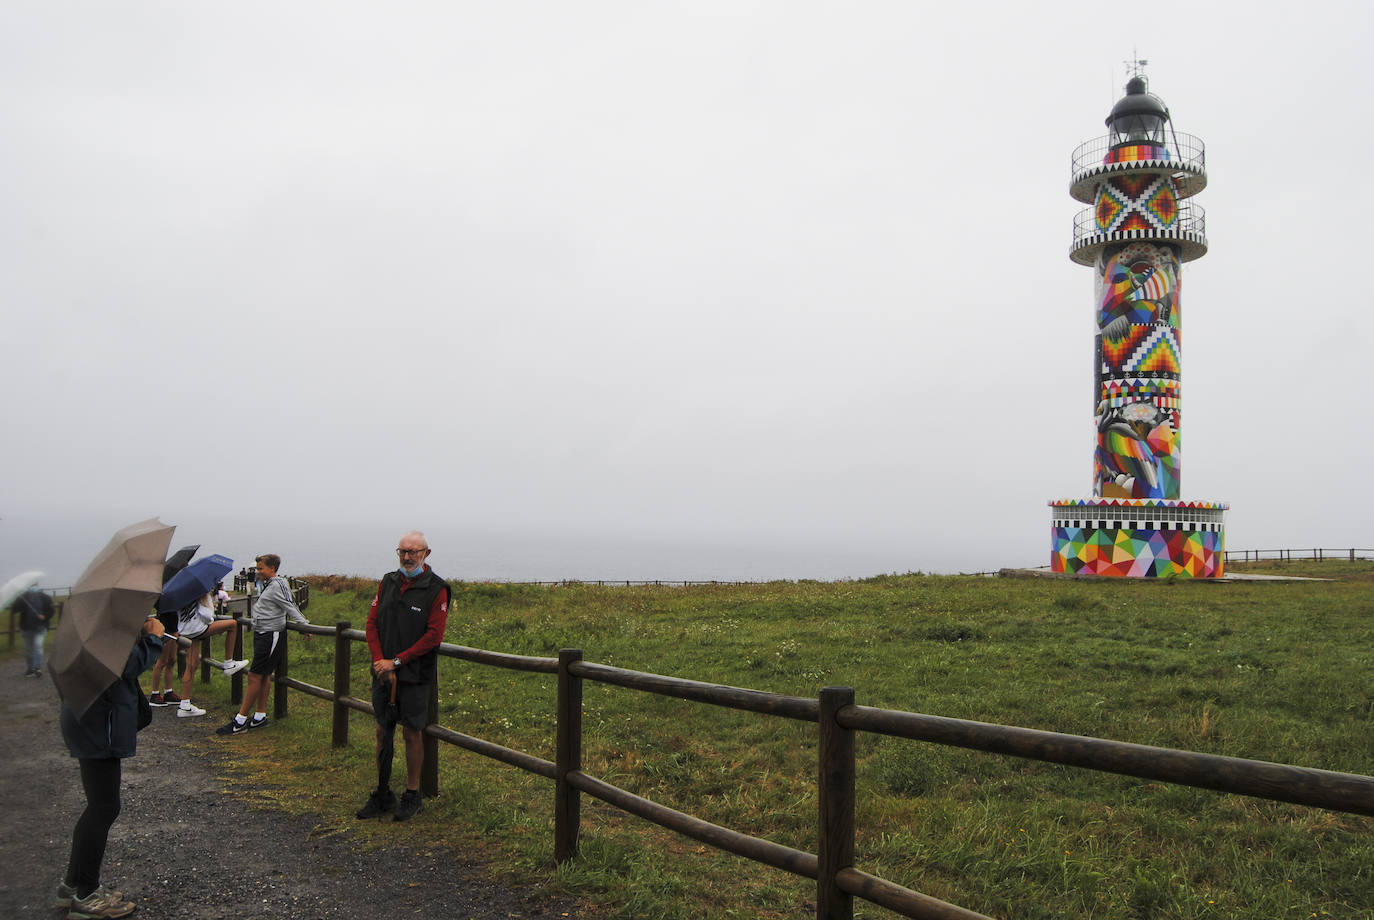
(405, 625)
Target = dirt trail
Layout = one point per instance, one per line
(210, 858)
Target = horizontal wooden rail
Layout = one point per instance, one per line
(1280, 782)
(775, 704)
(526, 762)
(722, 838)
(903, 900)
(500, 659)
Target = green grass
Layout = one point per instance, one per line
(1269, 671)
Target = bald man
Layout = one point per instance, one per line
(405, 625)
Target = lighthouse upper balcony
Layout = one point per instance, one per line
(1187, 231)
(1182, 156)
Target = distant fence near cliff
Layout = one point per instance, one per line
(1291, 555)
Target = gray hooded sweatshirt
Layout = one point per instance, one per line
(273, 605)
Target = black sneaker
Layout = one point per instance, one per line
(233, 728)
(409, 805)
(379, 802)
(256, 722)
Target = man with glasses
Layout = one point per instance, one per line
(270, 610)
(405, 625)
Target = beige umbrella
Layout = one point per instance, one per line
(105, 612)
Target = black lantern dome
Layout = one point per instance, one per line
(1139, 117)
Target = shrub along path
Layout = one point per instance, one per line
(187, 847)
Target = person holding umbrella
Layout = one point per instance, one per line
(273, 605)
(35, 610)
(104, 641)
(405, 625)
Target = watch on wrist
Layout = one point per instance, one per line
(395, 662)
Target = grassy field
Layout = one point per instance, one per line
(1278, 671)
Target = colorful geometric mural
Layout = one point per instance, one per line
(1138, 553)
(1136, 201)
(1138, 451)
(1132, 152)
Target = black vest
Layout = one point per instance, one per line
(403, 618)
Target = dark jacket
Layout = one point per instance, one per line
(403, 619)
(35, 611)
(110, 727)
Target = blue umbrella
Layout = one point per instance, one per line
(197, 579)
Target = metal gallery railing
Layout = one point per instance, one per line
(1291, 555)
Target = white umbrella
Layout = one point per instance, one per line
(17, 586)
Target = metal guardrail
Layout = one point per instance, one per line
(1290, 555)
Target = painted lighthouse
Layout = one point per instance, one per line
(1140, 228)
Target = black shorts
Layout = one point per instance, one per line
(169, 621)
(268, 649)
(412, 701)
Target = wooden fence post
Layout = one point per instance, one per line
(429, 768)
(240, 638)
(279, 701)
(342, 683)
(567, 809)
(836, 795)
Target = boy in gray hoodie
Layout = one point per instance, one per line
(270, 610)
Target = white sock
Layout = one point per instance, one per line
(186, 703)
(259, 716)
(239, 718)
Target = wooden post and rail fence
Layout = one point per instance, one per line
(838, 719)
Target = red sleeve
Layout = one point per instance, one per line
(374, 641)
(434, 629)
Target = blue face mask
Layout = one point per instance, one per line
(415, 572)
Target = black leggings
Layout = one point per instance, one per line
(100, 779)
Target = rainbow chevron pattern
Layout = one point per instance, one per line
(1136, 201)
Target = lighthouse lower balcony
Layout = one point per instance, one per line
(1188, 231)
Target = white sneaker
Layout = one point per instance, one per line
(187, 710)
(232, 667)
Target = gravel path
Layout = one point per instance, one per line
(213, 858)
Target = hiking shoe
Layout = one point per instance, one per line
(170, 696)
(189, 710)
(409, 805)
(65, 893)
(232, 667)
(101, 904)
(379, 802)
(233, 728)
(255, 722)
(156, 700)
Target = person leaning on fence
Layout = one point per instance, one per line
(405, 625)
(196, 622)
(273, 605)
(35, 610)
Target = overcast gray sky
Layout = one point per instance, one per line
(750, 276)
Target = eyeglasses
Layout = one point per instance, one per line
(411, 552)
